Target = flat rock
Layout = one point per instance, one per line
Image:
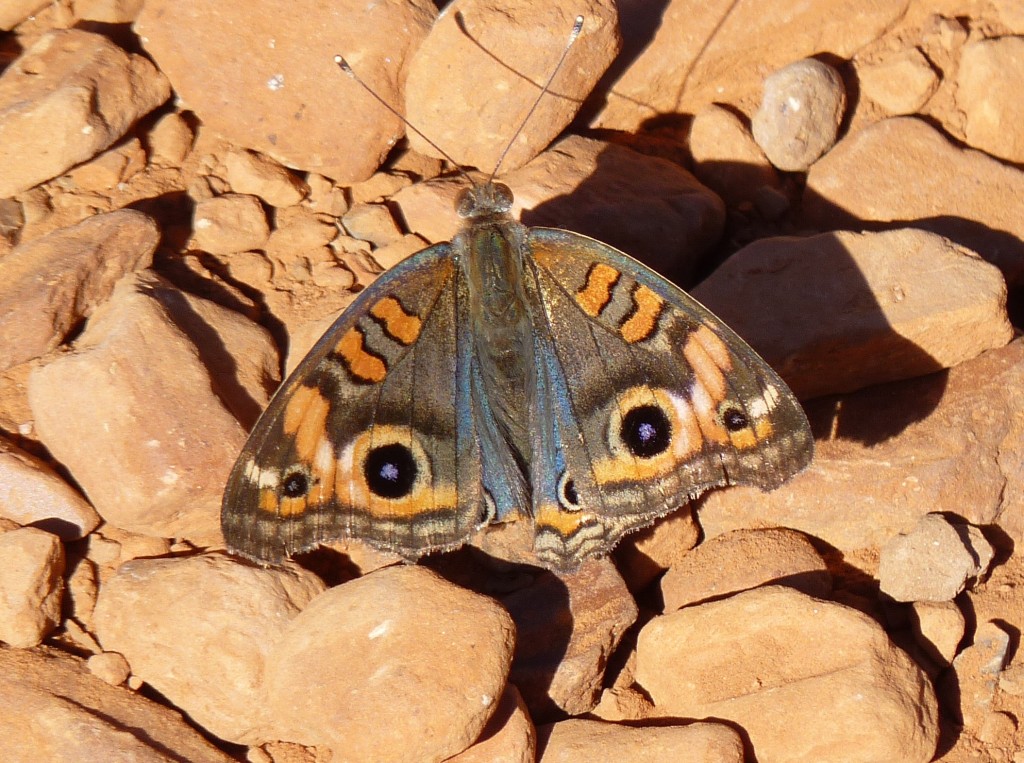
(472, 82)
(49, 284)
(32, 493)
(840, 311)
(970, 688)
(932, 562)
(938, 627)
(744, 559)
(415, 680)
(987, 81)
(580, 741)
(56, 711)
(886, 456)
(199, 630)
(252, 173)
(31, 585)
(146, 411)
(685, 55)
(644, 555)
(887, 173)
(257, 73)
(805, 679)
(901, 83)
(65, 99)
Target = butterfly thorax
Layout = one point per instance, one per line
(492, 254)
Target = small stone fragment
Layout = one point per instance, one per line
(745, 559)
(230, 223)
(508, 737)
(800, 114)
(257, 175)
(988, 92)
(67, 98)
(939, 629)
(901, 84)
(373, 223)
(971, 685)
(170, 140)
(31, 586)
(109, 666)
(642, 556)
(930, 563)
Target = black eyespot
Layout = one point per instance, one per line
(295, 485)
(735, 419)
(567, 494)
(646, 431)
(390, 470)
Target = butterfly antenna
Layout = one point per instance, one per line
(577, 27)
(344, 66)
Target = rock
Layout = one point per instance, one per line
(199, 630)
(726, 158)
(111, 667)
(744, 559)
(82, 589)
(391, 254)
(938, 628)
(103, 173)
(805, 679)
(969, 689)
(648, 207)
(31, 586)
(299, 230)
(578, 741)
(380, 187)
(170, 140)
(67, 98)
(841, 311)
(567, 627)
(146, 412)
(800, 114)
(643, 556)
(257, 175)
(15, 11)
(691, 53)
(950, 442)
(464, 64)
(886, 172)
(901, 83)
(230, 223)
(373, 223)
(987, 93)
(108, 11)
(31, 493)
(229, 61)
(930, 563)
(508, 737)
(429, 668)
(49, 284)
(56, 711)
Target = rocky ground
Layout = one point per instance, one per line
(191, 192)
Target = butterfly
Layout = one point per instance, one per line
(514, 373)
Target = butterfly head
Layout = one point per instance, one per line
(484, 200)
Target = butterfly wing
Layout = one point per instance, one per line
(652, 400)
(371, 435)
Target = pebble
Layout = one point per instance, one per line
(800, 114)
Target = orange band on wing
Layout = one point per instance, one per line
(363, 365)
(400, 325)
(305, 417)
(597, 292)
(643, 320)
